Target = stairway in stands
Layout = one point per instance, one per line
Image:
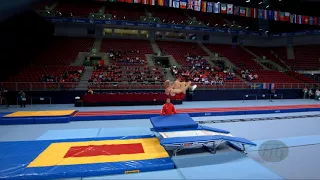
(83, 85)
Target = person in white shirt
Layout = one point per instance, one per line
(317, 95)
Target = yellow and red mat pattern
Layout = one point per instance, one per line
(82, 158)
(40, 113)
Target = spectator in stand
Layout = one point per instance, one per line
(90, 91)
(317, 95)
(310, 93)
(168, 108)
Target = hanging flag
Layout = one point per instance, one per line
(204, 6)
(281, 16)
(209, 7)
(223, 8)
(129, 1)
(183, 4)
(236, 10)
(270, 15)
(276, 15)
(229, 8)
(121, 0)
(265, 14)
(293, 18)
(299, 19)
(254, 13)
(176, 4)
(216, 8)
(242, 11)
(190, 4)
(310, 20)
(139, 1)
(305, 20)
(197, 5)
(248, 12)
(145, 2)
(315, 21)
(260, 13)
(286, 16)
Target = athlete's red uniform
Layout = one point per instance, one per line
(179, 96)
(168, 109)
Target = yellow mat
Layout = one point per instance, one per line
(40, 113)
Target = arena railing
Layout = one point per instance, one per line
(56, 86)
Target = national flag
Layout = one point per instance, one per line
(139, 1)
(236, 10)
(315, 21)
(269, 86)
(204, 6)
(248, 12)
(299, 19)
(129, 1)
(229, 8)
(197, 5)
(223, 8)
(145, 1)
(260, 13)
(286, 16)
(281, 16)
(310, 20)
(305, 19)
(242, 11)
(209, 7)
(318, 21)
(216, 8)
(176, 4)
(121, 0)
(270, 15)
(190, 4)
(276, 15)
(293, 18)
(265, 14)
(254, 13)
(183, 4)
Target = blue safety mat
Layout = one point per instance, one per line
(223, 165)
(177, 121)
(35, 120)
(195, 139)
(16, 156)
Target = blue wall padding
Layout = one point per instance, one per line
(17, 155)
(34, 120)
(196, 114)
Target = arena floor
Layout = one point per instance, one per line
(299, 131)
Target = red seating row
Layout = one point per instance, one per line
(302, 77)
(267, 53)
(132, 97)
(274, 77)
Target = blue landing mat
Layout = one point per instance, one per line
(290, 142)
(168, 174)
(16, 156)
(223, 165)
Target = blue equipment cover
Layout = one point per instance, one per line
(173, 122)
(202, 139)
(16, 156)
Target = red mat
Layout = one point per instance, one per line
(191, 110)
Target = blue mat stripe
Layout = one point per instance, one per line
(17, 155)
(198, 114)
(290, 142)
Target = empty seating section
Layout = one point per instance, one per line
(123, 97)
(281, 52)
(267, 53)
(307, 57)
(302, 77)
(168, 15)
(33, 77)
(179, 50)
(128, 49)
(236, 55)
(279, 78)
(64, 51)
(77, 10)
(120, 12)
